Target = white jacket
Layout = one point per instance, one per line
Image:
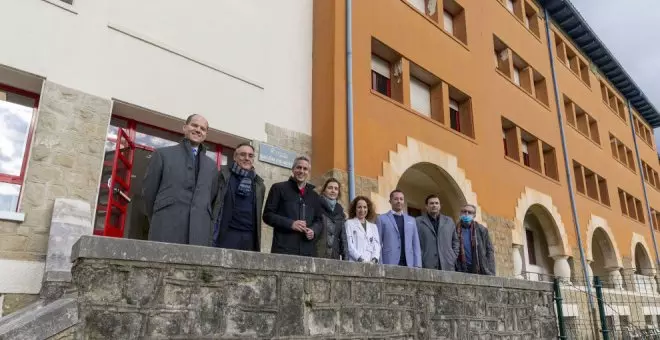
(361, 244)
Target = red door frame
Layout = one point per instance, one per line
(130, 132)
(18, 180)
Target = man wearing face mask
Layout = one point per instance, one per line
(238, 205)
(179, 186)
(476, 250)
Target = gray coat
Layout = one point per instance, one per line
(179, 209)
(219, 205)
(439, 251)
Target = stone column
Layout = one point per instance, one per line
(590, 272)
(561, 268)
(517, 261)
(615, 278)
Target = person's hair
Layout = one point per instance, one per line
(426, 201)
(471, 205)
(301, 158)
(352, 211)
(189, 119)
(245, 144)
(394, 192)
(331, 180)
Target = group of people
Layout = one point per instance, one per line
(189, 201)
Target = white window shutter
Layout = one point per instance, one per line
(419, 4)
(449, 22)
(509, 5)
(420, 96)
(516, 76)
(453, 104)
(380, 66)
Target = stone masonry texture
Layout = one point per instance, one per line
(65, 161)
(500, 231)
(130, 289)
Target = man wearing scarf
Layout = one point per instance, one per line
(476, 250)
(237, 207)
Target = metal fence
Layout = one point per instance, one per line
(623, 304)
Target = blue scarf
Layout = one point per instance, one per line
(246, 177)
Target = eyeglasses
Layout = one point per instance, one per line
(468, 212)
(246, 155)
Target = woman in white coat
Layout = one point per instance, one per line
(361, 234)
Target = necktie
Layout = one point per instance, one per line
(194, 152)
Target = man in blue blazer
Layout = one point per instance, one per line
(398, 235)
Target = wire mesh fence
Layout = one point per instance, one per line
(616, 304)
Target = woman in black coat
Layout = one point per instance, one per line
(332, 242)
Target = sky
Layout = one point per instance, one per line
(631, 31)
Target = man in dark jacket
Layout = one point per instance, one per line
(437, 237)
(293, 210)
(476, 250)
(179, 187)
(237, 208)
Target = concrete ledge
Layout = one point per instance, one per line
(40, 322)
(106, 248)
(12, 216)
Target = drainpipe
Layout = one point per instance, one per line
(569, 178)
(641, 176)
(349, 99)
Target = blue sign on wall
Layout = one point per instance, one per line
(276, 156)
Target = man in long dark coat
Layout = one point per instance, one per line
(179, 187)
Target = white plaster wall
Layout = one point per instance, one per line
(239, 63)
(22, 277)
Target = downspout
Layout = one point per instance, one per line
(349, 100)
(569, 178)
(641, 176)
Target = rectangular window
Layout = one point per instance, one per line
(454, 115)
(579, 177)
(460, 112)
(17, 109)
(531, 19)
(581, 120)
(604, 193)
(510, 5)
(525, 152)
(622, 153)
(590, 183)
(550, 162)
(516, 75)
(420, 96)
(453, 17)
(380, 76)
(521, 146)
(531, 250)
(631, 206)
(509, 133)
(448, 19)
(420, 5)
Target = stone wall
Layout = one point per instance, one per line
(297, 142)
(64, 161)
(500, 231)
(131, 289)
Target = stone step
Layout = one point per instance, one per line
(39, 321)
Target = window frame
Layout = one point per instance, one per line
(20, 179)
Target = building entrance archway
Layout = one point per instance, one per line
(423, 179)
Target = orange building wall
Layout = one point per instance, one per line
(381, 123)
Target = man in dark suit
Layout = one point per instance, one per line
(178, 188)
(294, 211)
(237, 208)
(437, 237)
